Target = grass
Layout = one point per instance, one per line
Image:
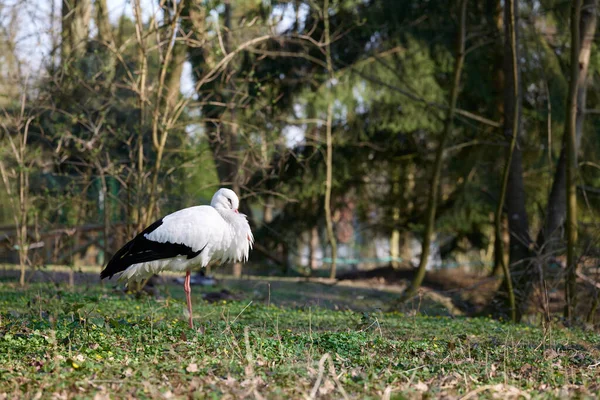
(97, 341)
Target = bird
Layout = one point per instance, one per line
(189, 238)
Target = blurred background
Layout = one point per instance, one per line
(356, 132)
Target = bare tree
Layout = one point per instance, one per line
(141, 215)
(550, 236)
(496, 17)
(439, 154)
(164, 99)
(571, 162)
(329, 151)
(16, 178)
(512, 120)
(520, 278)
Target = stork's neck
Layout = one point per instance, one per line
(236, 222)
(240, 235)
(228, 215)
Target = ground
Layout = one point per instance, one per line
(276, 339)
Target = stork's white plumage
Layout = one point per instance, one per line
(188, 238)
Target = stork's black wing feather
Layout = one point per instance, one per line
(140, 249)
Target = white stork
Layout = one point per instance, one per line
(188, 238)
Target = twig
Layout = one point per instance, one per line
(332, 372)
(244, 309)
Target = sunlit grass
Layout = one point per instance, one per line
(98, 340)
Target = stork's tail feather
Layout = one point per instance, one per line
(117, 263)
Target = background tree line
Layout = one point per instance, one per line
(469, 126)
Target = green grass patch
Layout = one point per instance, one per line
(95, 340)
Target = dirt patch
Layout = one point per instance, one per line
(469, 292)
(453, 290)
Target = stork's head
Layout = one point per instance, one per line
(225, 199)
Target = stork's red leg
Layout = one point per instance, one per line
(188, 297)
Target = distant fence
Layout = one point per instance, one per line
(386, 260)
(365, 260)
(65, 245)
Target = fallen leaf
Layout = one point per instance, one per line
(421, 387)
(326, 387)
(193, 367)
(550, 354)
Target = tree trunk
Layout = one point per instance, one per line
(328, 183)
(268, 210)
(496, 17)
(571, 162)
(395, 242)
(237, 270)
(140, 212)
(75, 259)
(173, 79)
(75, 28)
(232, 127)
(104, 29)
(23, 206)
(550, 237)
(329, 153)
(105, 214)
(408, 205)
(518, 281)
(285, 255)
(395, 237)
(313, 247)
(106, 40)
(439, 156)
(23, 246)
